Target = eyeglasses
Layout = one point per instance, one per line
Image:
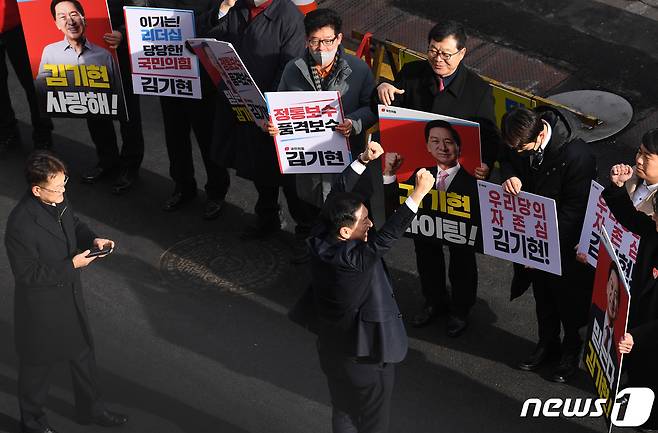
(58, 190)
(315, 43)
(433, 54)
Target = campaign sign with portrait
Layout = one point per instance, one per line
(447, 147)
(227, 70)
(76, 72)
(520, 228)
(307, 141)
(607, 324)
(160, 63)
(403, 131)
(625, 242)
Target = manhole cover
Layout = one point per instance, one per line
(221, 262)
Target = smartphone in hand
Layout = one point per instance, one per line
(95, 251)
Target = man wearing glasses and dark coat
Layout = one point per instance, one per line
(43, 240)
(444, 85)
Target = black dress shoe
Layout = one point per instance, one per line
(177, 200)
(45, 429)
(97, 173)
(456, 325)
(212, 209)
(261, 230)
(427, 315)
(542, 353)
(105, 419)
(566, 368)
(124, 182)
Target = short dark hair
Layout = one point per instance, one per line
(520, 126)
(614, 268)
(442, 124)
(340, 210)
(41, 166)
(448, 28)
(650, 140)
(323, 17)
(76, 3)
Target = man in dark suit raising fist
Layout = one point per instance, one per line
(360, 330)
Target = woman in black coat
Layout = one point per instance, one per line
(643, 315)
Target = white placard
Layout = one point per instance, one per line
(235, 75)
(598, 215)
(308, 141)
(520, 228)
(161, 65)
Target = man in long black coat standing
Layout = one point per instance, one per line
(43, 239)
(545, 157)
(267, 34)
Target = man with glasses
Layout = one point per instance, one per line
(43, 240)
(545, 157)
(444, 85)
(326, 66)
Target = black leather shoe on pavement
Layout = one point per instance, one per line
(212, 209)
(124, 182)
(46, 429)
(456, 325)
(106, 419)
(426, 316)
(97, 173)
(177, 200)
(542, 353)
(566, 368)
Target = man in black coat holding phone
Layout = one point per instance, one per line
(360, 328)
(43, 240)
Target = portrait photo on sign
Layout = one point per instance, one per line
(403, 132)
(76, 71)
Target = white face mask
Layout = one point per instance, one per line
(324, 58)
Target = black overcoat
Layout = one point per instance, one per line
(565, 175)
(467, 97)
(49, 310)
(265, 45)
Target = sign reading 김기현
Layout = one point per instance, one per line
(75, 71)
(161, 65)
(307, 141)
(521, 228)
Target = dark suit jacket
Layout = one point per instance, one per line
(49, 310)
(599, 315)
(565, 175)
(643, 313)
(467, 97)
(354, 299)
